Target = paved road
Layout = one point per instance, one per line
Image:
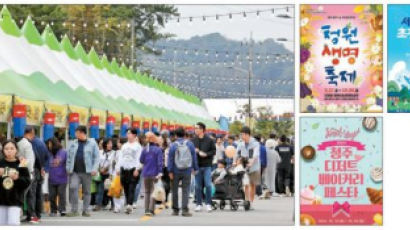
(276, 211)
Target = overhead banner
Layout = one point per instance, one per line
(341, 171)
(5, 107)
(125, 124)
(49, 119)
(117, 116)
(83, 113)
(164, 125)
(60, 112)
(34, 110)
(341, 58)
(137, 123)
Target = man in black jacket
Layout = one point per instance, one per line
(205, 150)
(286, 153)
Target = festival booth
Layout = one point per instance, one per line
(57, 87)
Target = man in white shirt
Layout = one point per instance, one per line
(129, 167)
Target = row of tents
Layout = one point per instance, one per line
(44, 80)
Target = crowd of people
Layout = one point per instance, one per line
(113, 173)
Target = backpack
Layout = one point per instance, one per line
(183, 157)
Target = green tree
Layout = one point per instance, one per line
(404, 94)
(392, 86)
(266, 127)
(235, 128)
(42, 15)
(107, 28)
(243, 110)
(264, 112)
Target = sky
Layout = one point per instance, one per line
(238, 28)
(266, 26)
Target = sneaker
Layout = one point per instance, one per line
(86, 214)
(209, 208)
(73, 214)
(34, 220)
(148, 213)
(63, 214)
(97, 208)
(288, 191)
(198, 208)
(175, 213)
(128, 209)
(24, 220)
(134, 206)
(116, 211)
(186, 214)
(251, 207)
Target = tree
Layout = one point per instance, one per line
(243, 110)
(264, 112)
(42, 15)
(235, 128)
(266, 127)
(404, 94)
(392, 86)
(107, 28)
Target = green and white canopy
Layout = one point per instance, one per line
(38, 67)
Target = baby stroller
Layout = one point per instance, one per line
(230, 190)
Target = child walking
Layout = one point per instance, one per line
(14, 180)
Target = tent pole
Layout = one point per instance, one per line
(42, 123)
(66, 128)
(10, 118)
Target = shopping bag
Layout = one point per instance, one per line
(159, 192)
(97, 177)
(115, 188)
(93, 188)
(107, 184)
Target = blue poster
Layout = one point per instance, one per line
(398, 59)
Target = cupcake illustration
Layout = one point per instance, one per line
(307, 196)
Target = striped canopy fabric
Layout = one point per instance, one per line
(39, 67)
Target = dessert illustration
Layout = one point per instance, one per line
(375, 195)
(307, 196)
(308, 152)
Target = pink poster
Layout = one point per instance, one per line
(341, 171)
(341, 67)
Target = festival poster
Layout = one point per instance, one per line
(341, 58)
(398, 43)
(341, 171)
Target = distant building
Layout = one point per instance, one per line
(393, 98)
